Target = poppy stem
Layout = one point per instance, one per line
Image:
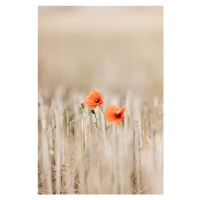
(95, 117)
(85, 112)
(95, 128)
(94, 125)
(105, 119)
(98, 126)
(103, 132)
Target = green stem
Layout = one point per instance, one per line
(102, 131)
(95, 117)
(84, 111)
(93, 123)
(105, 119)
(105, 133)
(97, 124)
(95, 128)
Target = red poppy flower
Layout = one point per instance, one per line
(112, 113)
(93, 100)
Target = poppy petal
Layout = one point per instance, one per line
(94, 94)
(90, 100)
(110, 113)
(118, 121)
(122, 111)
(90, 103)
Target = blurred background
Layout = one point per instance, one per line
(110, 48)
(117, 51)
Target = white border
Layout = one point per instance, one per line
(101, 3)
(18, 82)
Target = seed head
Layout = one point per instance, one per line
(97, 100)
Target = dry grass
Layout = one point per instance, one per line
(118, 52)
(72, 159)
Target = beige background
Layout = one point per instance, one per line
(112, 48)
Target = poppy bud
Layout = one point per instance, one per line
(82, 106)
(93, 112)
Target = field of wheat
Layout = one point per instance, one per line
(117, 52)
